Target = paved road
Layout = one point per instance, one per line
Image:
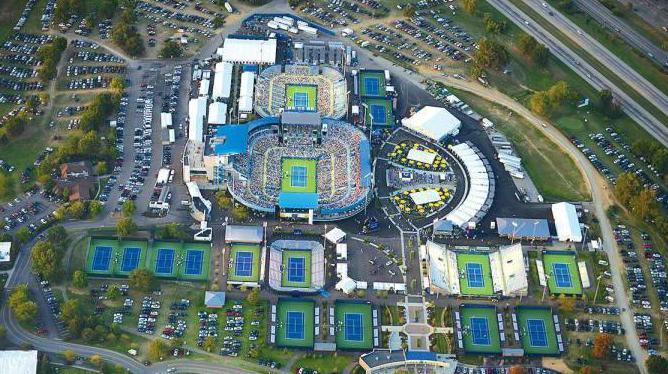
(597, 80)
(603, 15)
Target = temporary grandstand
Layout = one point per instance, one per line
(481, 274)
(296, 265)
(301, 87)
(297, 165)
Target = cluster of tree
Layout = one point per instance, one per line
(78, 209)
(171, 49)
(654, 153)
(47, 255)
(601, 346)
(13, 128)
(89, 327)
(544, 102)
(25, 310)
(174, 231)
(489, 55)
(536, 52)
(218, 22)
(125, 225)
(493, 26)
(657, 364)
(89, 9)
(470, 6)
(125, 35)
(158, 349)
(141, 279)
(608, 105)
(7, 186)
(50, 54)
(640, 201)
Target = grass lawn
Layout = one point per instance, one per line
(301, 96)
(297, 256)
(241, 273)
(34, 24)
(10, 12)
(560, 280)
(389, 315)
(351, 332)
(477, 278)
(297, 334)
(372, 83)
(325, 363)
(481, 329)
(542, 344)
(298, 175)
(440, 343)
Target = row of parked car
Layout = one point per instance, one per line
(95, 57)
(76, 70)
(594, 325)
(150, 309)
(657, 271)
(203, 26)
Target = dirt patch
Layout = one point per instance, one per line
(557, 365)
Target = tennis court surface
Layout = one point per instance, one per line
(475, 274)
(381, 110)
(295, 323)
(245, 260)
(480, 329)
(296, 269)
(561, 269)
(372, 83)
(113, 257)
(537, 331)
(299, 175)
(301, 96)
(354, 325)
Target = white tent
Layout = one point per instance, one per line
(196, 114)
(165, 120)
(566, 222)
(421, 156)
(246, 92)
(248, 51)
(222, 80)
(217, 113)
(425, 197)
(346, 285)
(18, 362)
(342, 251)
(433, 122)
(204, 87)
(478, 191)
(335, 235)
(5, 250)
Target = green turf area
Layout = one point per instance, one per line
(287, 255)
(342, 308)
(464, 258)
(389, 116)
(255, 272)
(525, 313)
(290, 164)
(487, 312)
(311, 91)
(562, 257)
(10, 12)
(380, 76)
(303, 306)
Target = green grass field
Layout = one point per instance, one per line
(389, 116)
(487, 312)
(380, 76)
(311, 92)
(290, 164)
(562, 257)
(303, 306)
(287, 255)
(255, 271)
(341, 309)
(475, 258)
(525, 313)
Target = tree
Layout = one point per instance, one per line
(76, 210)
(141, 279)
(627, 187)
(117, 85)
(96, 360)
(94, 208)
(157, 349)
(601, 344)
(57, 235)
(566, 304)
(609, 106)
(15, 126)
(539, 103)
(223, 199)
(409, 11)
(240, 213)
(69, 355)
(644, 205)
(493, 26)
(113, 292)
(657, 364)
(490, 54)
(101, 168)
(171, 49)
(209, 343)
(174, 231)
(6, 186)
(218, 22)
(128, 208)
(45, 259)
(558, 93)
(586, 370)
(125, 227)
(254, 296)
(22, 235)
(19, 301)
(79, 279)
(470, 6)
(516, 369)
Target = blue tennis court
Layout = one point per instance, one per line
(562, 275)
(294, 325)
(300, 99)
(480, 331)
(243, 264)
(130, 259)
(164, 261)
(372, 85)
(378, 114)
(298, 176)
(537, 334)
(296, 271)
(194, 262)
(474, 275)
(101, 258)
(352, 329)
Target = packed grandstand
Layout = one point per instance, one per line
(300, 87)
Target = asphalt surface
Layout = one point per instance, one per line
(597, 80)
(604, 16)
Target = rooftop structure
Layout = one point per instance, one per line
(18, 362)
(243, 234)
(433, 122)
(245, 50)
(566, 222)
(518, 228)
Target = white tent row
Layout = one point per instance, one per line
(217, 113)
(566, 222)
(222, 81)
(204, 87)
(196, 115)
(479, 186)
(246, 92)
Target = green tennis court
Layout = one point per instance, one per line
(163, 258)
(381, 110)
(372, 83)
(301, 96)
(354, 325)
(296, 269)
(475, 275)
(130, 255)
(298, 175)
(537, 331)
(480, 329)
(245, 259)
(99, 260)
(561, 268)
(295, 323)
(195, 261)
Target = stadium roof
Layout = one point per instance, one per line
(230, 139)
(244, 50)
(292, 117)
(222, 81)
(243, 234)
(421, 156)
(196, 114)
(298, 200)
(425, 197)
(217, 113)
(433, 122)
(567, 223)
(523, 227)
(18, 362)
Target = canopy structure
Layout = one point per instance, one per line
(566, 222)
(217, 113)
(214, 299)
(335, 235)
(433, 122)
(196, 115)
(18, 362)
(222, 81)
(243, 234)
(246, 92)
(480, 192)
(421, 156)
(425, 197)
(523, 228)
(244, 50)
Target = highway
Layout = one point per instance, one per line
(604, 16)
(597, 80)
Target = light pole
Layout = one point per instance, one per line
(368, 111)
(533, 236)
(512, 239)
(598, 282)
(547, 280)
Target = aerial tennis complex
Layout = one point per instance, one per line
(560, 271)
(296, 265)
(538, 330)
(354, 325)
(293, 323)
(478, 329)
(166, 259)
